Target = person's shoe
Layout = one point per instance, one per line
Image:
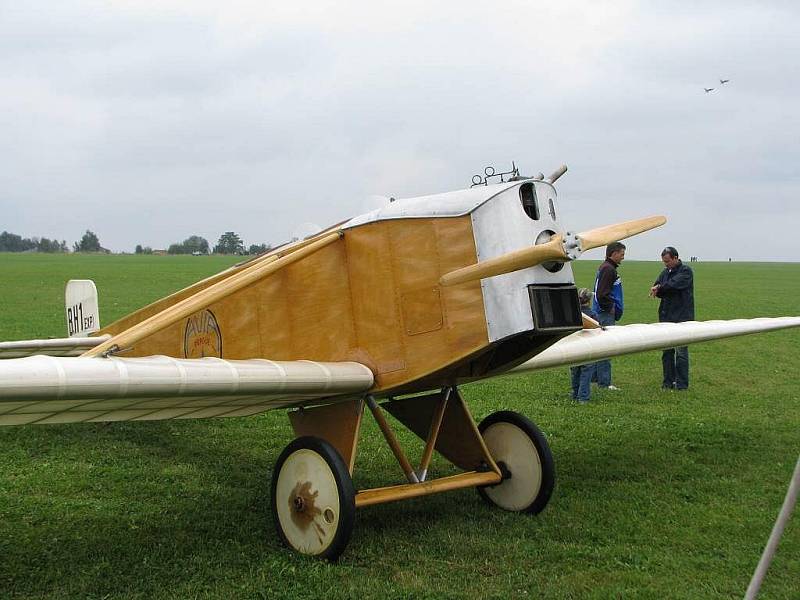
(611, 387)
(677, 389)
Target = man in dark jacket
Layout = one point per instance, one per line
(608, 302)
(675, 287)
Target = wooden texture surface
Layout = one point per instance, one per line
(339, 424)
(221, 290)
(372, 297)
(513, 261)
(434, 486)
(601, 236)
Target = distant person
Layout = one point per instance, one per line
(581, 375)
(675, 287)
(608, 303)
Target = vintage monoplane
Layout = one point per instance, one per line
(391, 310)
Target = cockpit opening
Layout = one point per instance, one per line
(527, 195)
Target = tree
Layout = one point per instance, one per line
(11, 242)
(190, 245)
(259, 248)
(89, 243)
(46, 245)
(195, 243)
(229, 243)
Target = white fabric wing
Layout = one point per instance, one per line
(47, 389)
(590, 345)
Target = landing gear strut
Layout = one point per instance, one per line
(313, 499)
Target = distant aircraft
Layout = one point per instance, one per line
(708, 89)
(390, 311)
(723, 81)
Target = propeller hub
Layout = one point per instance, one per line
(572, 245)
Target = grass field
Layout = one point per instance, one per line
(658, 494)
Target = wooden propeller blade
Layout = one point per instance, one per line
(602, 236)
(513, 261)
(555, 249)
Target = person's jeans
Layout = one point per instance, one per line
(676, 367)
(604, 366)
(582, 381)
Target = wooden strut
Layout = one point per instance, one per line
(391, 440)
(436, 424)
(203, 298)
(418, 486)
(434, 486)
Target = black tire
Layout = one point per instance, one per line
(322, 531)
(516, 444)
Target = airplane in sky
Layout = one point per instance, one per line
(391, 311)
(707, 90)
(723, 81)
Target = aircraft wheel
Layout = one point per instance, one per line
(313, 498)
(521, 451)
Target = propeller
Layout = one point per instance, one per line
(560, 247)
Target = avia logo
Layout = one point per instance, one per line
(202, 336)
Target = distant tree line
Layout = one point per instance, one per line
(11, 242)
(229, 243)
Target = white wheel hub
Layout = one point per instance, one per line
(509, 444)
(307, 502)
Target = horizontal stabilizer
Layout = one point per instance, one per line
(589, 345)
(72, 346)
(46, 389)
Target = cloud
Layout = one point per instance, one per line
(151, 121)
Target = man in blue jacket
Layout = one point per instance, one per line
(608, 303)
(675, 287)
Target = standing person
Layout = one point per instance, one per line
(581, 375)
(608, 303)
(675, 287)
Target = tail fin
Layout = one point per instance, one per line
(83, 314)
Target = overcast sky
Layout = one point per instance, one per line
(148, 122)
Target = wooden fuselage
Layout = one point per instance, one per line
(373, 296)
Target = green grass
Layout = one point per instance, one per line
(657, 495)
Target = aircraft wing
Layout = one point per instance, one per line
(589, 345)
(48, 389)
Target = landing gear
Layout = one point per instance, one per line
(521, 452)
(313, 498)
(312, 495)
